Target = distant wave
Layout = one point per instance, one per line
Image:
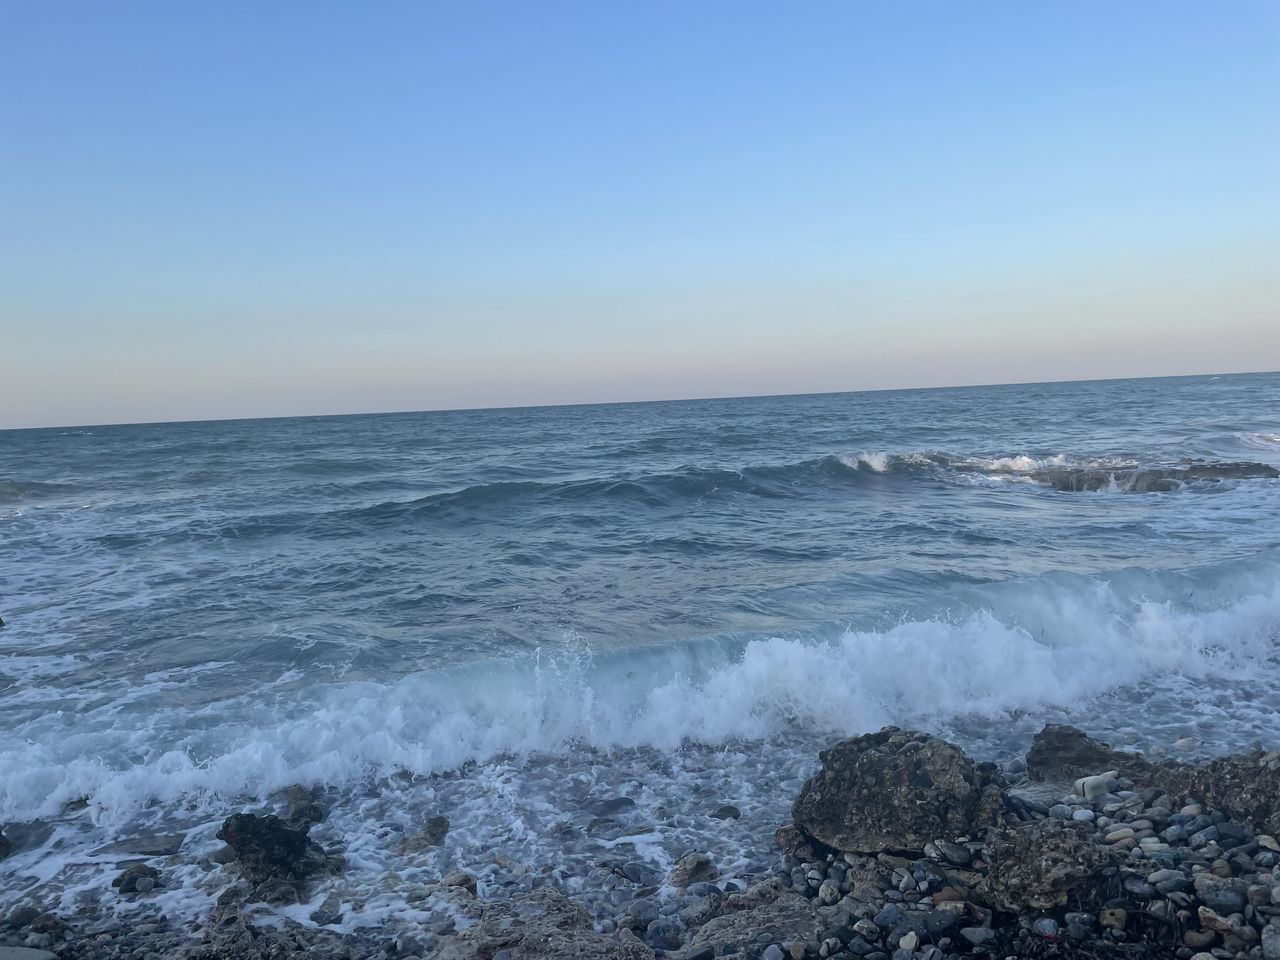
(1111, 474)
(14, 490)
(1021, 645)
(1063, 473)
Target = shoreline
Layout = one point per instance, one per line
(903, 848)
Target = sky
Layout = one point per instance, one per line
(265, 208)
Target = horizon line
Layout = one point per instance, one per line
(619, 403)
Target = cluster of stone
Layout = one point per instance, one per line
(901, 847)
(1103, 865)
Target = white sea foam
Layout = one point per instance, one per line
(1050, 641)
(875, 462)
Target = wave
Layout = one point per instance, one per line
(1112, 474)
(790, 480)
(1049, 641)
(14, 490)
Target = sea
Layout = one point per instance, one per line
(519, 618)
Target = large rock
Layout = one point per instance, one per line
(6, 847)
(1064, 753)
(897, 790)
(267, 848)
(1245, 786)
(788, 917)
(1039, 866)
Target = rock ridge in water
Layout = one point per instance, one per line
(897, 790)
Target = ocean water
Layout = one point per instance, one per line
(508, 615)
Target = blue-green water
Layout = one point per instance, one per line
(219, 609)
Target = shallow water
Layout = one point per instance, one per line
(504, 615)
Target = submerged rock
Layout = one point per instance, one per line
(898, 790)
(129, 879)
(302, 805)
(267, 848)
(692, 868)
(435, 830)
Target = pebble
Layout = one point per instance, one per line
(1045, 927)
(1083, 815)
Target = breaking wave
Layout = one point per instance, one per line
(1048, 641)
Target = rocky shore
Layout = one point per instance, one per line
(901, 847)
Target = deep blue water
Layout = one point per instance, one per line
(222, 608)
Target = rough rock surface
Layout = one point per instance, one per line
(544, 925)
(302, 805)
(897, 790)
(787, 918)
(267, 848)
(692, 868)
(1247, 786)
(1064, 753)
(1038, 866)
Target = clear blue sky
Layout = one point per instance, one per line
(267, 208)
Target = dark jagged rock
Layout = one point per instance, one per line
(6, 847)
(897, 790)
(435, 830)
(1038, 866)
(267, 848)
(1064, 753)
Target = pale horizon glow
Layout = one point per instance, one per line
(247, 210)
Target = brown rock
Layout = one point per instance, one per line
(1061, 752)
(545, 925)
(1246, 786)
(897, 790)
(1039, 866)
(788, 918)
(692, 868)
